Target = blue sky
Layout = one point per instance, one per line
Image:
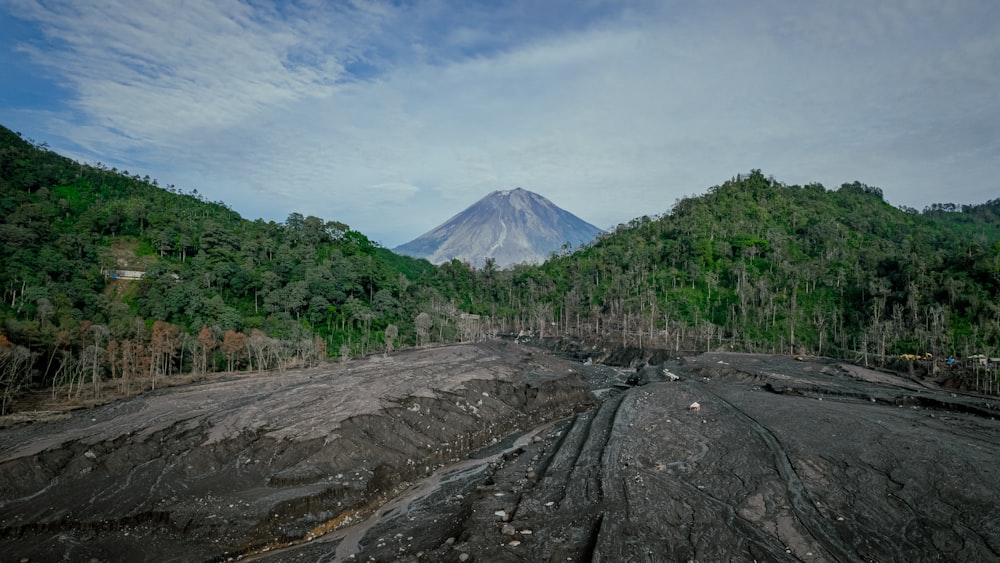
(394, 116)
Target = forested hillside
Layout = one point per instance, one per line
(760, 266)
(218, 291)
(751, 265)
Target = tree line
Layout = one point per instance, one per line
(756, 265)
(751, 265)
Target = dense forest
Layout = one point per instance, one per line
(111, 283)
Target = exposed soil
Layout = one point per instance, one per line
(214, 470)
(784, 460)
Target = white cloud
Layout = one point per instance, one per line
(610, 116)
(160, 71)
(392, 192)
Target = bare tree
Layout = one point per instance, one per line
(257, 346)
(543, 314)
(99, 333)
(468, 327)
(423, 323)
(232, 344)
(208, 343)
(319, 350)
(15, 362)
(391, 332)
(163, 341)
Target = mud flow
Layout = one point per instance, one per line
(501, 452)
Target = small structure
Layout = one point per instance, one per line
(695, 407)
(124, 274)
(985, 361)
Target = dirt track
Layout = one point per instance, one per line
(785, 460)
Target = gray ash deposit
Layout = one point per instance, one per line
(500, 452)
(212, 471)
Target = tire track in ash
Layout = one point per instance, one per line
(625, 490)
(613, 471)
(573, 469)
(803, 506)
(565, 502)
(583, 494)
(585, 481)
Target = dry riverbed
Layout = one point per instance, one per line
(783, 460)
(211, 471)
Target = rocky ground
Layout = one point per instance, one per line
(211, 471)
(783, 460)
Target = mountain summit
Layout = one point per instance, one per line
(511, 226)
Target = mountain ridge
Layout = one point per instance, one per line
(512, 226)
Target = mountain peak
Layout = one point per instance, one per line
(517, 192)
(513, 226)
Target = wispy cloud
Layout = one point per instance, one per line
(163, 70)
(393, 117)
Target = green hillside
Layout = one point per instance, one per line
(760, 266)
(218, 291)
(751, 265)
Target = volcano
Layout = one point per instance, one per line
(508, 226)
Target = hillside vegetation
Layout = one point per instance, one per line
(751, 265)
(760, 266)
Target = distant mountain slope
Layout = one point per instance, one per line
(510, 226)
